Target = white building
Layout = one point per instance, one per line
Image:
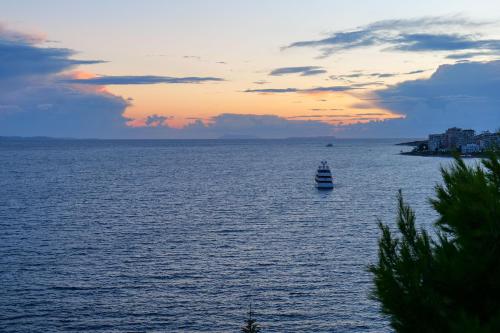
(487, 140)
(470, 148)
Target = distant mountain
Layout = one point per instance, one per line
(237, 137)
(39, 138)
(27, 138)
(412, 143)
(325, 137)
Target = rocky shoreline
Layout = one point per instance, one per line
(443, 154)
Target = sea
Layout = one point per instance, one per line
(190, 235)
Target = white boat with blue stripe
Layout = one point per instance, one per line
(324, 180)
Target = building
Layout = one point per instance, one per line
(466, 137)
(453, 139)
(457, 137)
(464, 140)
(470, 148)
(436, 142)
(488, 140)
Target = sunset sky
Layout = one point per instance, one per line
(207, 69)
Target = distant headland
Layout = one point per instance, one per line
(455, 140)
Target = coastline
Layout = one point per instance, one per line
(443, 154)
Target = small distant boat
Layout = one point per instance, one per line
(329, 145)
(323, 177)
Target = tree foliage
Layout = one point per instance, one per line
(449, 282)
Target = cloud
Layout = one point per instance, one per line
(262, 126)
(192, 57)
(156, 120)
(35, 102)
(418, 71)
(37, 97)
(332, 109)
(11, 36)
(261, 82)
(273, 90)
(463, 95)
(66, 113)
(358, 74)
(410, 35)
(323, 116)
(371, 114)
(142, 79)
(230, 125)
(314, 72)
(303, 71)
(418, 42)
(20, 58)
(304, 91)
(468, 55)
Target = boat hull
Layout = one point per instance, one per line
(324, 186)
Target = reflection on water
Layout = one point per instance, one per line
(182, 235)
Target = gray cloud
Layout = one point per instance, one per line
(314, 72)
(304, 91)
(371, 114)
(37, 99)
(332, 109)
(418, 42)
(463, 95)
(413, 35)
(329, 116)
(263, 126)
(11, 36)
(273, 90)
(157, 120)
(468, 55)
(357, 75)
(418, 71)
(20, 59)
(142, 79)
(38, 104)
(229, 125)
(303, 71)
(45, 108)
(192, 57)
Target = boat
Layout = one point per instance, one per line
(329, 145)
(323, 177)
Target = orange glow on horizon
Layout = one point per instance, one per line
(336, 108)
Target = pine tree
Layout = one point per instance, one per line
(250, 324)
(450, 282)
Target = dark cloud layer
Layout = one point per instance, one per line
(263, 126)
(142, 79)
(235, 126)
(468, 55)
(34, 102)
(414, 35)
(304, 91)
(356, 75)
(464, 95)
(303, 71)
(38, 99)
(18, 59)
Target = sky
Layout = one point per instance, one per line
(264, 69)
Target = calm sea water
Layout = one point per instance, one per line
(182, 236)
